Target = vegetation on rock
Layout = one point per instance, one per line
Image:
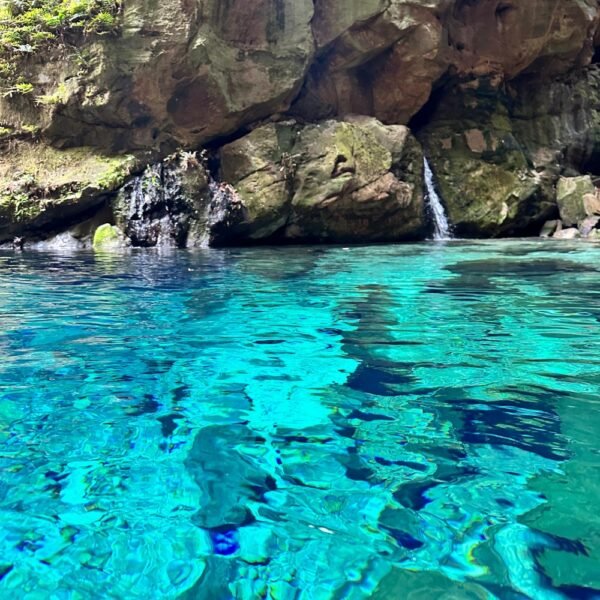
(51, 184)
(26, 26)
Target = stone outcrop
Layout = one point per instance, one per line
(499, 93)
(577, 199)
(341, 181)
(578, 202)
(44, 190)
(483, 172)
(178, 74)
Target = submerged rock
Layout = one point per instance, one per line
(338, 180)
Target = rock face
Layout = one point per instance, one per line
(179, 73)
(340, 181)
(163, 206)
(577, 199)
(174, 204)
(482, 170)
(500, 93)
(43, 190)
(578, 202)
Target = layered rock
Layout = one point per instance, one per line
(342, 181)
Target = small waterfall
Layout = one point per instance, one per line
(220, 212)
(442, 227)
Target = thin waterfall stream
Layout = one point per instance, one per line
(442, 230)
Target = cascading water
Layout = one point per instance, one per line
(442, 230)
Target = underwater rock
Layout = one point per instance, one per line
(225, 501)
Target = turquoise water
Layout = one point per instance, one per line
(415, 421)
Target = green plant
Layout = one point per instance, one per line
(18, 88)
(32, 129)
(26, 26)
(60, 96)
(83, 60)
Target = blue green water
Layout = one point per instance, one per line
(416, 421)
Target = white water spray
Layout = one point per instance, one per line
(442, 227)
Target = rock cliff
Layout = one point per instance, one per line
(187, 122)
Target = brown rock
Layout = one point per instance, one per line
(475, 141)
(351, 180)
(517, 35)
(179, 74)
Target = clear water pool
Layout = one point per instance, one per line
(417, 421)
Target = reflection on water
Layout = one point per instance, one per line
(388, 422)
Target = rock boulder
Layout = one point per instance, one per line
(338, 180)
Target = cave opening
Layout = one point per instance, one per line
(422, 118)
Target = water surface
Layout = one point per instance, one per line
(417, 421)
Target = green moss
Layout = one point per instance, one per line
(20, 88)
(107, 237)
(35, 178)
(501, 121)
(117, 171)
(26, 26)
(59, 96)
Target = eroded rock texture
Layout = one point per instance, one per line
(346, 180)
(500, 93)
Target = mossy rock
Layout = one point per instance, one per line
(260, 166)
(481, 169)
(44, 189)
(338, 180)
(109, 237)
(571, 193)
